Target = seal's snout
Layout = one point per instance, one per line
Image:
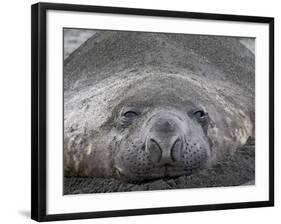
(170, 144)
(165, 151)
(164, 141)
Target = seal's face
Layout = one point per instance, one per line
(157, 141)
(160, 125)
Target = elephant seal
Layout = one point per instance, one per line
(140, 106)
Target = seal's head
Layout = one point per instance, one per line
(161, 141)
(154, 105)
(160, 130)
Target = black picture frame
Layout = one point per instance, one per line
(39, 108)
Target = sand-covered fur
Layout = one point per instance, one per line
(155, 75)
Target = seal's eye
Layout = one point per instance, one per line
(130, 114)
(199, 114)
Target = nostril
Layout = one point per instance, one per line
(176, 150)
(154, 150)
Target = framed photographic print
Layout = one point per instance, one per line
(153, 111)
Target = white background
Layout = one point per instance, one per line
(15, 111)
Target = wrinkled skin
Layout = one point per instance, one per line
(153, 135)
(155, 119)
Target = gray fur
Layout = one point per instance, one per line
(156, 74)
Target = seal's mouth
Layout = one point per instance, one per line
(166, 172)
(143, 163)
(143, 170)
(172, 172)
(140, 164)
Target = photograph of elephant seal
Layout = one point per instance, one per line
(148, 111)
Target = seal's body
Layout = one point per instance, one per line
(140, 106)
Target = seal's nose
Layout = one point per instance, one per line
(164, 142)
(164, 152)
